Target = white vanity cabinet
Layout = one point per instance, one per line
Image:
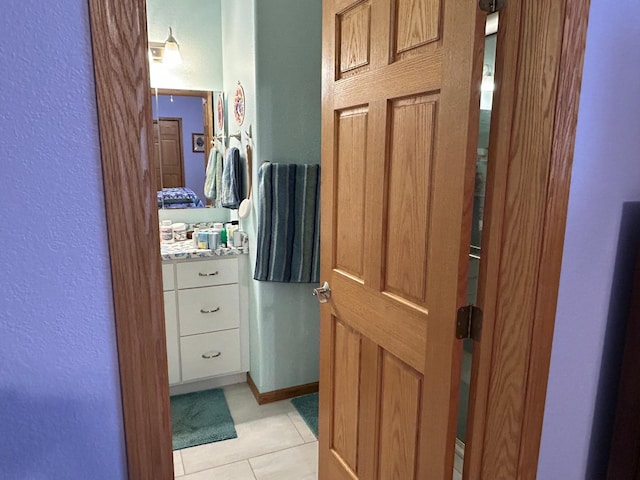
(206, 336)
(171, 324)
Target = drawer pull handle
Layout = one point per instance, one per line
(208, 355)
(208, 274)
(217, 309)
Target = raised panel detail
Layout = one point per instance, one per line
(417, 23)
(354, 38)
(413, 126)
(399, 411)
(350, 190)
(346, 359)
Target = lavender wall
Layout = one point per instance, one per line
(60, 411)
(189, 109)
(600, 247)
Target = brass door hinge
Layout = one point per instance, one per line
(469, 323)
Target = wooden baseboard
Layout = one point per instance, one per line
(282, 394)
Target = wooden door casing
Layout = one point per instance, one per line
(399, 121)
(119, 41)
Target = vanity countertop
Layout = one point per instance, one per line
(185, 250)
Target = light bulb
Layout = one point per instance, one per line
(172, 54)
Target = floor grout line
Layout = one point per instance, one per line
(252, 470)
(248, 459)
(279, 451)
(286, 413)
(181, 462)
(298, 430)
(295, 428)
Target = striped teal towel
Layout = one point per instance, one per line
(288, 223)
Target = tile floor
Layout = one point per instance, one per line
(273, 443)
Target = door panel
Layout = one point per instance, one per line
(399, 418)
(407, 212)
(397, 187)
(417, 23)
(346, 362)
(354, 38)
(352, 132)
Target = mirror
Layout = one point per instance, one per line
(185, 61)
(475, 251)
(184, 132)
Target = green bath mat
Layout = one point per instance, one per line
(200, 417)
(307, 406)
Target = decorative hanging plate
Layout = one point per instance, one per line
(220, 113)
(239, 105)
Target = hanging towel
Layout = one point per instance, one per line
(288, 230)
(265, 201)
(219, 168)
(210, 176)
(230, 194)
(306, 197)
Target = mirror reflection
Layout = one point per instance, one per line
(475, 251)
(183, 141)
(185, 66)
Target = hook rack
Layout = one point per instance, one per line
(237, 136)
(249, 133)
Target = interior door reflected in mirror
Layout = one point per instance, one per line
(183, 139)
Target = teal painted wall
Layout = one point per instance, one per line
(274, 49)
(238, 65)
(288, 74)
(197, 28)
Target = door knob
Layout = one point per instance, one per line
(323, 293)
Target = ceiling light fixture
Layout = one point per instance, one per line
(172, 54)
(167, 52)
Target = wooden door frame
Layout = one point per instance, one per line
(531, 149)
(498, 449)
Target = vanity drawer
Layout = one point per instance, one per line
(167, 277)
(207, 273)
(209, 309)
(222, 348)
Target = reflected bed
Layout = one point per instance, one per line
(180, 197)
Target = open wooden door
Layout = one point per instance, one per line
(401, 84)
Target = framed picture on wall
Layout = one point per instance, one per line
(197, 142)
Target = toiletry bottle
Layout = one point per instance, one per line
(203, 239)
(166, 231)
(194, 237)
(215, 240)
(179, 232)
